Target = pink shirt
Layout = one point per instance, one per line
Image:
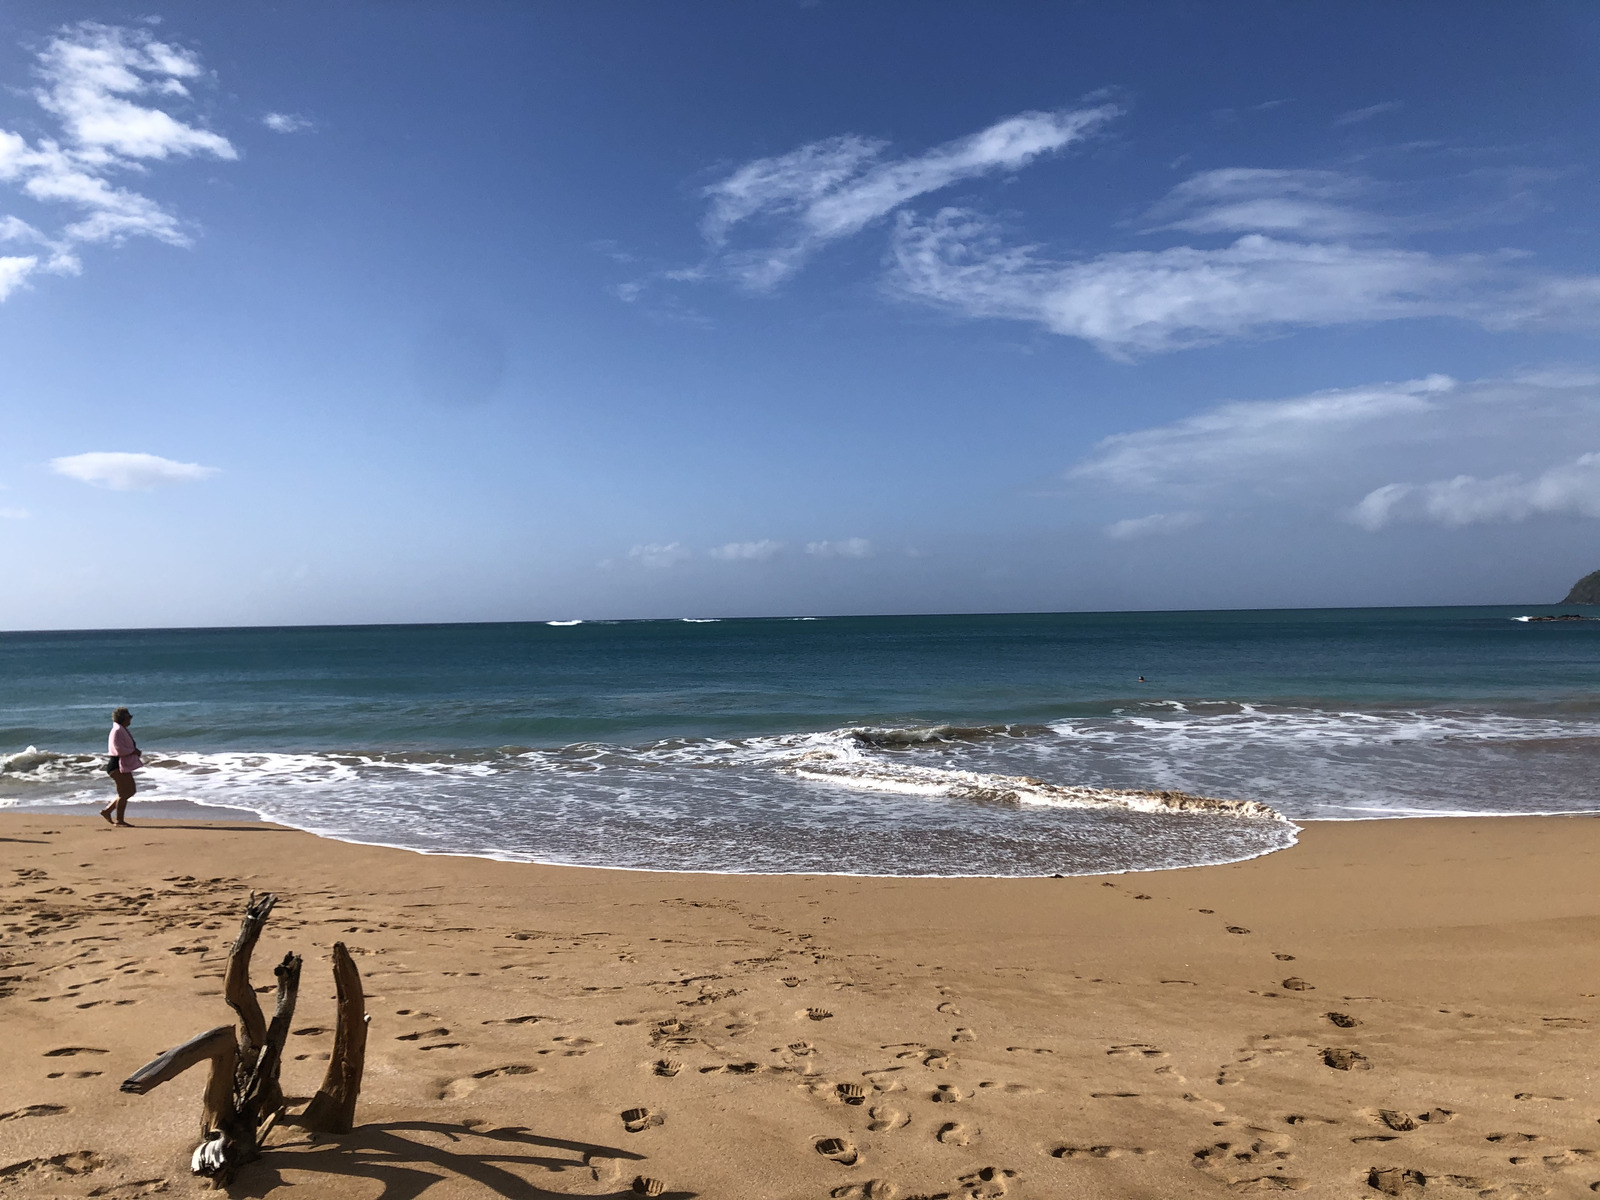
(121, 744)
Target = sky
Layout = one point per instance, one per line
(406, 312)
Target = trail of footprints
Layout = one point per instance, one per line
(917, 1090)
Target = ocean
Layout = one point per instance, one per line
(925, 745)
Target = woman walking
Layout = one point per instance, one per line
(124, 761)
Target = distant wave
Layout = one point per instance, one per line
(563, 622)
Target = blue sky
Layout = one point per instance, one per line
(487, 311)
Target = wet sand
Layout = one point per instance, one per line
(1164, 1034)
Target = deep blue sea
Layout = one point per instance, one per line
(954, 745)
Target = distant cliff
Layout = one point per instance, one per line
(1586, 590)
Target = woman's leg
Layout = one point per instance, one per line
(126, 787)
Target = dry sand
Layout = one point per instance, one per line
(1152, 1035)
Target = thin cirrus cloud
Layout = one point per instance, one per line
(1131, 303)
(798, 202)
(109, 89)
(1496, 450)
(1308, 248)
(1357, 115)
(125, 472)
(1300, 203)
(1154, 525)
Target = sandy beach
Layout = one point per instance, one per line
(1388, 1008)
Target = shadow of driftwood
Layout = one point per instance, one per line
(439, 1153)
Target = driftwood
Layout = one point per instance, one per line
(243, 1099)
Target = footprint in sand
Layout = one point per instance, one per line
(667, 1067)
(572, 1047)
(1096, 1151)
(986, 1183)
(791, 981)
(73, 1074)
(946, 1093)
(1343, 1020)
(34, 1110)
(815, 1014)
(963, 1034)
(1137, 1050)
(885, 1119)
(508, 1069)
(954, 1133)
(1022, 1089)
(434, 1046)
(1512, 1139)
(643, 1185)
(637, 1120)
(867, 1189)
(1396, 1181)
(69, 1051)
(937, 1060)
(839, 1150)
(950, 1010)
(1027, 1050)
(1345, 1060)
(1295, 984)
(851, 1093)
(403, 1037)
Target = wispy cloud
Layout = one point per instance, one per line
(286, 122)
(1236, 438)
(659, 555)
(109, 90)
(1299, 203)
(848, 548)
(1149, 301)
(1357, 115)
(124, 472)
(1153, 525)
(1567, 489)
(795, 203)
(746, 551)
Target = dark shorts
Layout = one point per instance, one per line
(125, 784)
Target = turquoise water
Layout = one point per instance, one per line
(886, 745)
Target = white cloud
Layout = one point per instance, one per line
(834, 188)
(14, 270)
(1153, 525)
(746, 551)
(1356, 115)
(848, 548)
(122, 472)
(1568, 489)
(1143, 302)
(1252, 200)
(1487, 445)
(99, 84)
(657, 555)
(1236, 438)
(285, 122)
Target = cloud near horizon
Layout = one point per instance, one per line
(759, 551)
(1497, 450)
(1566, 489)
(124, 472)
(98, 84)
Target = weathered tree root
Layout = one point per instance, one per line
(243, 1099)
